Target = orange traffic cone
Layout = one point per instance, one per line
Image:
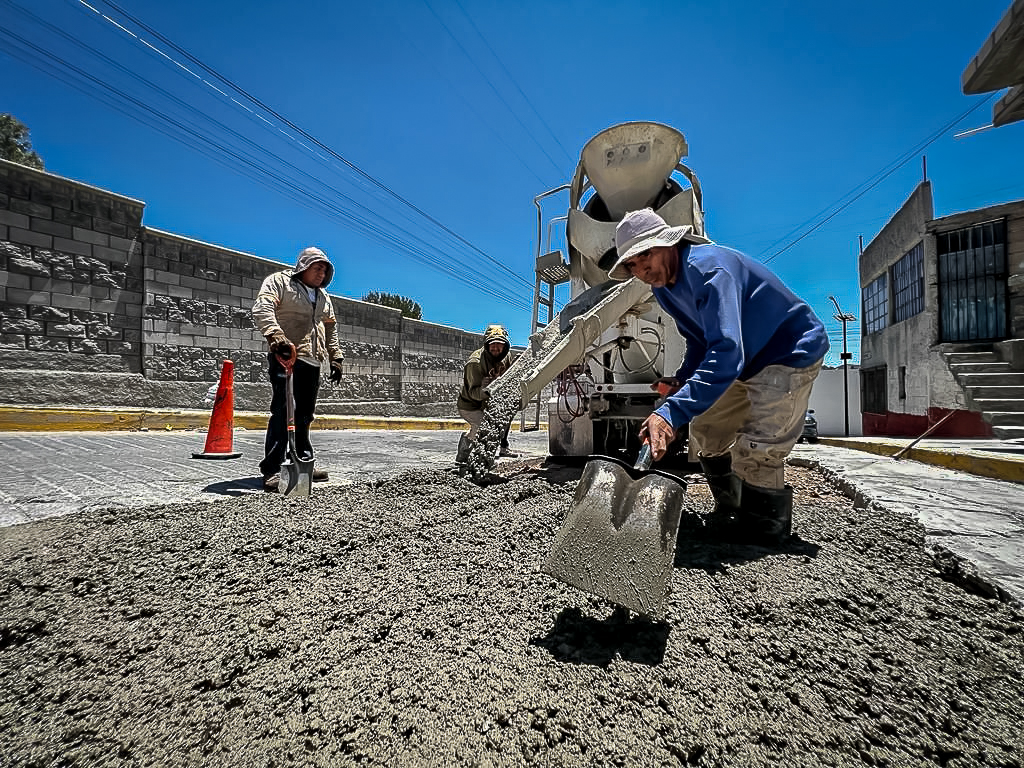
(222, 421)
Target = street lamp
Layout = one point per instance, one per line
(844, 318)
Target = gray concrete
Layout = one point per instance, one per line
(59, 473)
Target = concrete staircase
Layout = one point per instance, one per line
(992, 386)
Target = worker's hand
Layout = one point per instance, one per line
(666, 386)
(281, 346)
(659, 433)
(336, 370)
(487, 381)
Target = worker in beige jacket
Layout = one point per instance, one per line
(296, 316)
(481, 369)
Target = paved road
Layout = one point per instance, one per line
(57, 473)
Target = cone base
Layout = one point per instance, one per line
(216, 455)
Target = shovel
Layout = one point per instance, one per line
(619, 539)
(296, 472)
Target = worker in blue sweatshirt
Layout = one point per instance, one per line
(753, 350)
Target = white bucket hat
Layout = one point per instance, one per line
(644, 229)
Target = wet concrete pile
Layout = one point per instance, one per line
(405, 623)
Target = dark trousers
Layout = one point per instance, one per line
(306, 385)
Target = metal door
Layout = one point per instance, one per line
(972, 283)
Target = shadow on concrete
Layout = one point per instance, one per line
(239, 487)
(695, 550)
(555, 472)
(579, 639)
(552, 472)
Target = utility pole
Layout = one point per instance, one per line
(844, 318)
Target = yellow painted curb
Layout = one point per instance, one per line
(977, 462)
(35, 419)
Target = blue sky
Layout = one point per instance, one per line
(457, 114)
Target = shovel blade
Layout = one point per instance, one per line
(296, 476)
(618, 540)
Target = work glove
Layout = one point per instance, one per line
(335, 370)
(281, 346)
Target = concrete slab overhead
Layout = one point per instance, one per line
(1010, 108)
(999, 62)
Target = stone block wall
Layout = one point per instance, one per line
(197, 310)
(371, 340)
(71, 275)
(433, 357)
(98, 310)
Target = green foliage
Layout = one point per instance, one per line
(15, 144)
(408, 307)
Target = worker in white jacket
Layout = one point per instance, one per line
(296, 316)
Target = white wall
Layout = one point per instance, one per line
(827, 401)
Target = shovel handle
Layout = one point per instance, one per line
(645, 458)
(289, 399)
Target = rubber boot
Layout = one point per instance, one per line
(725, 485)
(766, 516)
(463, 453)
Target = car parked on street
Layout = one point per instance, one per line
(810, 433)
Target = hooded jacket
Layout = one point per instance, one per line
(283, 305)
(481, 369)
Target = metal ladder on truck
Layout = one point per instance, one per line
(551, 271)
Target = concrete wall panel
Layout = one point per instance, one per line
(827, 401)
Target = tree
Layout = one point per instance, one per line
(15, 144)
(408, 307)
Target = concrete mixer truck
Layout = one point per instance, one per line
(611, 341)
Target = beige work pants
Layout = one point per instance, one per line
(475, 419)
(758, 421)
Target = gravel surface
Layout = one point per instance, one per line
(405, 623)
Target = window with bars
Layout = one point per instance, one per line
(908, 284)
(972, 282)
(875, 298)
(873, 398)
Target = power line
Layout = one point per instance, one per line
(885, 173)
(490, 84)
(251, 168)
(423, 56)
(363, 174)
(508, 74)
(195, 112)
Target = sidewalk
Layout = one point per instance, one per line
(998, 459)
